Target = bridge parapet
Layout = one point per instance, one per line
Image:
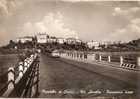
(124, 60)
(22, 79)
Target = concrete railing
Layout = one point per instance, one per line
(130, 61)
(20, 74)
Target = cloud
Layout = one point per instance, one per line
(135, 25)
(132, 29)
(52, 24)
(7, 7)
(3, 7)
(126, 13)
(4, 36)
(130, 32)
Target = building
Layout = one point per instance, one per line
(93, 44)
(25, 39)
(41, 38)
(78, 41)
(107, 43)
(51, 40)
(73, 41)
(61, 40)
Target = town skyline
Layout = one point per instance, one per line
(53, 36)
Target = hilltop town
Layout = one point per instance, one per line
(50, 43)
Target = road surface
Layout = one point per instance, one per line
(60, 78)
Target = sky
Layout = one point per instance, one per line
(83, 19)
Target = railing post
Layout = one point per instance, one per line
(85, 56)
(20, 69)
(138, 61)
(11, 79)
(100, 58)
(28, 61)
(72, 55)
(11, 82)
(109, 59)
(121, 60)
(25, 65)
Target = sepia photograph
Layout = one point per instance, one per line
(70, 49)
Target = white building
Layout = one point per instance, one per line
(51, 40)
(78, 41)
(61, 40)
(41, 38)
(93, 44)
(25, 39)
(71, 40)
(106, 43)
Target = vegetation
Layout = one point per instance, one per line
(19, 47)
(133, 45)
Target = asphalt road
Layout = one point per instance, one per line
(60, 78)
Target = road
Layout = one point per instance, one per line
(60, 78)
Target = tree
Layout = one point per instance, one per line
(11, 44)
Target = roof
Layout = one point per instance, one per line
(26, 37)
(71, 38)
